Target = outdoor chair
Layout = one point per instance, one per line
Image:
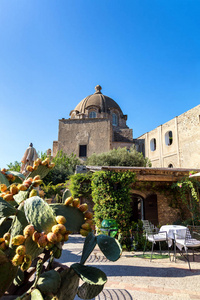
(153, 236)
(190, 241)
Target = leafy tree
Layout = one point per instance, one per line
(65, 166)
(119, 157)
(16, 166)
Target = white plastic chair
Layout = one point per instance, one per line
(190, 241)
(154, 237)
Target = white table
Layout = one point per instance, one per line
(172, 230)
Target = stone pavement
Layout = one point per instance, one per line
(137, 278)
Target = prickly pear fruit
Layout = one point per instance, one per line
(59, 228)
(66, 237)
(6, 236)
(88, 215)
(27, 258)
(60, 237)
(38, 161)
(61, 220)
(83, 207)
(52, 237)
(90, 222)
(76, 202)
(2, 240)
(27, 183)
(21, 250)
(3, 187)
(28, 230)
(3, 246)
(36, 235)
(37, 183)
(13, 189)
(49, 246)
(42, 242)
(84, 232)
(86, 226)
(22, 187)
(17, 259)
(37, 177)
(46, 161)
(51, 165)
(29, 168)
(69, 200)
(8, 197)
(18, 240)
(33, 193)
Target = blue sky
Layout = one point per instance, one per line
(144, 54)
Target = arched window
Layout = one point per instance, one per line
(170, 166)
(92, 114)
(153, 144)
(168, 138)
(114, 119)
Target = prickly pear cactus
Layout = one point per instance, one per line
(32, 234)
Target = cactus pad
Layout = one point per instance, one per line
(5, 224)
(4, 180)
(73, 215)
(39, 214)
(90, 243)
(36, 295)
(21, 196)
(90, 274)
(41, 170)
(66, 194)
(49, 282)
(19, 177)
(6, 209)
(69, 285)
(89, 291)
(109, 246)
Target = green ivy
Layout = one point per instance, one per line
(80, 185)
(111, 197)
(188, 189)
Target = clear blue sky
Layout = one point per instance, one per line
(144, 54)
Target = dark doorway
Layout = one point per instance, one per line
(151, 209)
(137, 208)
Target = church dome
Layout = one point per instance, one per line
(104, 103)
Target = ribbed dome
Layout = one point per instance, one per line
(103, 102)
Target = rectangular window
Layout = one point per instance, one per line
(82, 150)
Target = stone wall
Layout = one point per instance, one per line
(95, 133)
(183, 152)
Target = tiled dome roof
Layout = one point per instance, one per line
(99, 100)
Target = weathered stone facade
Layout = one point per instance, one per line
(96, 125)
(175, 143)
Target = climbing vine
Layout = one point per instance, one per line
(111, 197)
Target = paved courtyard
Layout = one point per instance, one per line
(133, 277)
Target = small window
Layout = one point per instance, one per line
(170, 166)
(92, 114)
(153, 144)
(168, 138)
(114, 119)
(82, 150)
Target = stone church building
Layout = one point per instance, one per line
(96, 125)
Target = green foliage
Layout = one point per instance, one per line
(188, 189)
(65, 166)
(80, 185)
(52, 190)
(16, 166)
(111, 197)
(119, 157)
